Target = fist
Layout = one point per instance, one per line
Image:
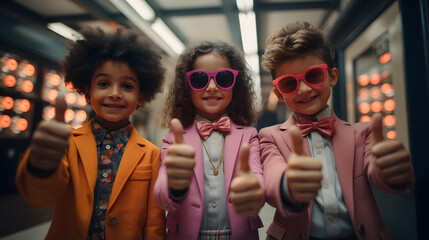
(303, 173)
(50, 140)
(246, 194)
(179, 161)
(391, 157)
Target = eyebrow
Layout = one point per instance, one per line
(107, 75)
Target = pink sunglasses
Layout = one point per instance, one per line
(314, 77)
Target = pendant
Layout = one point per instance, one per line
(215, 172)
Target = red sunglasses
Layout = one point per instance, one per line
(314, 77)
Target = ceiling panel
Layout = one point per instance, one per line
(204, 27)
(182, 4)
(52, 8)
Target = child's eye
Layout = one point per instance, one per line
(128, 86)
(102, 84)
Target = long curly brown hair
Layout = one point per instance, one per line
(123, 45)
(179, 104)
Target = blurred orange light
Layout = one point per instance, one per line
(391, 135)
(48, 113)
(24, 105)
(387, 89)
(11, 64)
(28, 70)
(364, 107)
(69, 115)
(81, 100)
(7, 103)
(363, 94)
(52, 95)
(81, 116)
(27, 86)
(365, 119)
(5, 121)
(375, 79)
(390, 120)
(389, 105)
(385, 74)
(376, 106)
(70, 98)
(9, 81)
(385, 58)
(55, 80)
(363, 80)
(375, 92)
(21, 124)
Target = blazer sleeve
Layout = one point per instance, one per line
(161, 192)
(38, 191)
(255, 158)
(155, 228)
(274, 165)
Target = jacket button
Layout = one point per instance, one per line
(302, 236)
(361, 230)
(112, 221)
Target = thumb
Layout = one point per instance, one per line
(296, 136)
(377, 128)
(243, 158)
(60, 108)
(177, 128)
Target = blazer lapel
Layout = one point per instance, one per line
(192, 138)
(134, 150)
(87, 148)
(287, 138)
(343, 143)
(232, 145)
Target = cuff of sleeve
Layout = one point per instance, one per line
(38, 172)
(177, 195)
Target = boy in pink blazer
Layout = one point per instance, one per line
(319, 169)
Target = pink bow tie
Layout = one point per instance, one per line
(325, 126)
(205, 128)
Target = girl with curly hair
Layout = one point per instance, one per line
(208, 188)
(100, 176)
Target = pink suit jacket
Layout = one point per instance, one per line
(184, 217)
(356, 172)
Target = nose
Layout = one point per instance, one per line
(303, 87)
(115, 92)
(212, 85)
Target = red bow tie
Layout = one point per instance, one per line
(205, 128)
(325, 126)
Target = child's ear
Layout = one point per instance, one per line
(140, 101)
(87, 97)
(333, 74)
(278, 94)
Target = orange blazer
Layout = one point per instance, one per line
(132, 212)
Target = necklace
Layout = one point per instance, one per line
(215, 171)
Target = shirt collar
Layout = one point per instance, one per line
(120, 136)
(323, 114)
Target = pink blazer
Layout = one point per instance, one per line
(356, 172)
(184, 217)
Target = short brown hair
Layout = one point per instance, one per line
(294, 40)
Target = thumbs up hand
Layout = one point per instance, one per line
(50, 140)
(179, 160)
(303, 173)
(246, 194)
(391, 157)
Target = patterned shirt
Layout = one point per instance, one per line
(110, 147)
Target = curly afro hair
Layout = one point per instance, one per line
(179, 104)
(122, 45)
